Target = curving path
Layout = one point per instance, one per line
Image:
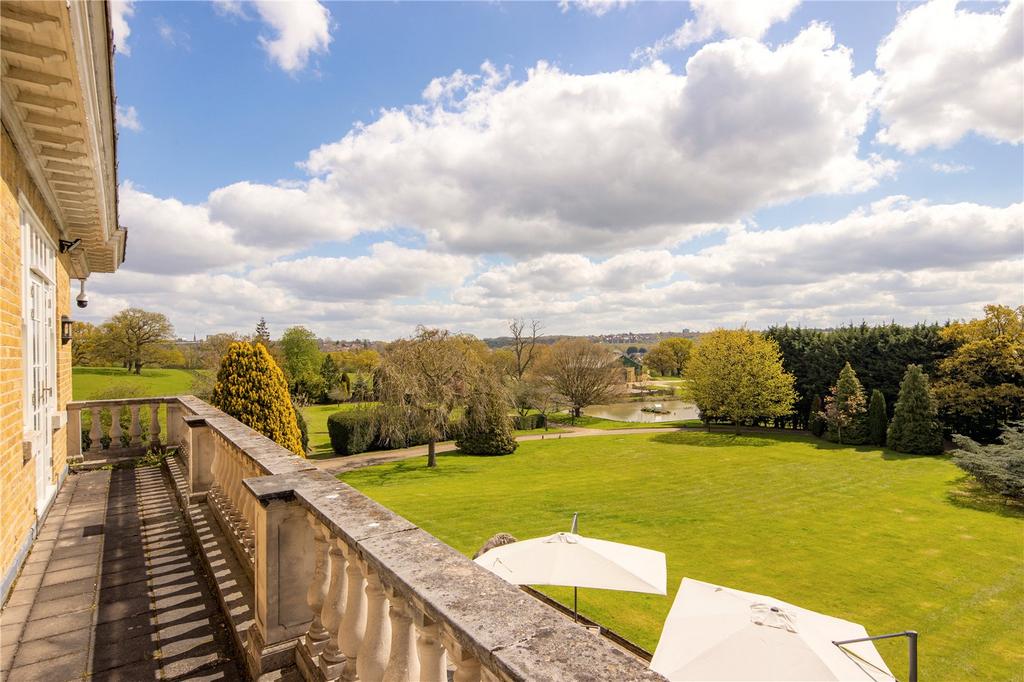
(337, 465)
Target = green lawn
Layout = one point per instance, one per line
(890, 541)
(89, 383)
(586, 421)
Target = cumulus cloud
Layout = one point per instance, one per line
(128, 118)
(596, 7)
(388, 271)
(947, 71)
(896, 259)
(736, 18)
(300, 28)
(168, 236)
(564, 162)
(120, 12)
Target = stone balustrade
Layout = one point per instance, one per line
(120, 428)
(343, 588)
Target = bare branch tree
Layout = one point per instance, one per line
(524, 344)
(583, 373)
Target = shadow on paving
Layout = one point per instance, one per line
(155, 615)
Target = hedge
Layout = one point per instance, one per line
(527, 422)
(351, 431)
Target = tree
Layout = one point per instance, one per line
(846, 409)
(669, 356)
(998, 466)
(583, 373)
(486, 428)
(524, 345)
(419, 382)
(981, 384)
(737, 375)
(878, 418)
(86, 344)
(251, 388)
(214, 347)
(817, 422)
(262, 332)
(879, 355)
(301, 354)
(915, 425)
(330, 373)
(133, 336)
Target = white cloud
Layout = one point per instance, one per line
(388, 271)
(596, 7)
(167, 236)
(120, 12)
(946, 72)
(565, 162)
(128, 118)
(951, 168)
(736, 18)
(300, 28)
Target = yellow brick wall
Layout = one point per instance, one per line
(17, 478)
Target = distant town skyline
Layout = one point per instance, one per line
(361, 168)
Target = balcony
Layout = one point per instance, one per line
(236, 559)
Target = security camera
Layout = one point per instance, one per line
(69, 246)
(83, 298)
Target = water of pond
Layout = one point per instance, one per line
(633, 411)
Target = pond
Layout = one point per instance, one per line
(633, 412)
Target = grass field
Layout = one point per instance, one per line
(890, 541)
(91, 382)
(588, 422)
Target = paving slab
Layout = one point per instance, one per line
(113, 590)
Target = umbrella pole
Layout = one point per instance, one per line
(575, 611)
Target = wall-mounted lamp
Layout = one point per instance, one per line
(65, 329)
(69, 246)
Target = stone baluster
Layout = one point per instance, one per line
(433, 664)
(316, 637)
(154, 426)
(218, 466)
(74, 434)
(353, 623)
(467, 666)
(403, 663)
(136, 428)
(115, 426)
(487, 676)
(95, 431)
(332, 660)
(373, 654)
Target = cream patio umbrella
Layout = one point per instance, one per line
(717, 633)
(573, 560)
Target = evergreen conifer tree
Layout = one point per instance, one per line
(915, 425)
(817, 418)
(878, 418)
(846, 409)
(251, 388)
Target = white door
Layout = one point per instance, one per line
(40, 353)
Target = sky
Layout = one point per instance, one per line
(603, 166)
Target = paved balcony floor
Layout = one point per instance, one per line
(112, 590)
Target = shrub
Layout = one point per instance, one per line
(352, 431)
(817, 421)
(303, 429)
(527, 422)
(878, 418)
(1000, 466)
(915, 425)
(486, 428)
(251, 388)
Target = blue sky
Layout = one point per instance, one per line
(665, 154)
